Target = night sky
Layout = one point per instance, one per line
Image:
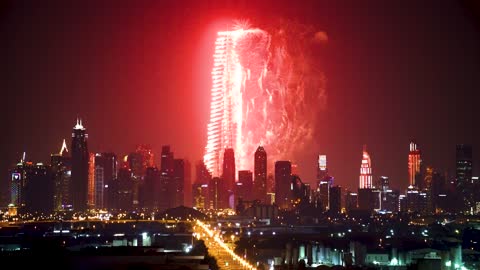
(140, 73)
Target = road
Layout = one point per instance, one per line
(223, 253)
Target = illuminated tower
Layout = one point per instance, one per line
(226, 87)
(414, 163)
(322, 170)
(260, 182)
(80, 157)
(91, 181)
(366, 170)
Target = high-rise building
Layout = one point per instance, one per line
(228, 172)
(105, 173)
(383, 183)
(283, 176)
(139, 161)
(366, 170)
(203, 177)
(414, 163)
(187, 185)
(464, 177)
(80, 158)
(178, 181)
(322, 170)
(335, 203)
(367, 199)
(39, 190)
(91, 181)
(351, 201)
(218, 194)
(324, 191)
(151, 186)
(244, 186)
(62, 171)
(123, 190)
(200, 196)
(167, 185)
(260, 171)
(18, 182)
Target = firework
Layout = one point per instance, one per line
(265, 91)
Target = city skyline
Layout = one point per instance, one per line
(387, 136)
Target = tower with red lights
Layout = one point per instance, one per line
(366, 170)
(414, 162)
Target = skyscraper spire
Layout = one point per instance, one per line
(64, 148)
(79, 124)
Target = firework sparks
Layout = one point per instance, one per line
(264, 92)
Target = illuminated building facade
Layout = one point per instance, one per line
(322, 170)
(414, 163)
(80, 160)
(18, 182)
(366, 170)
(91, 181)
(260, 171)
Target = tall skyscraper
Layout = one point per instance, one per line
(244, 186)
(324, 191)
(260, 171)
(414, 162)
(151, 187)
(18, 182)
(80, 158)
(366, 170)
(322, 170)
(123, 190)
(218, 194)
(139, 161)
(39, 190)
(179, 181)
(167, 186)
(335, 200)
(383, 183)
(62, 171)
(200, 189)
(91, 181)
(283, 179)
(464, 176)
(228, 172)
(105, 173)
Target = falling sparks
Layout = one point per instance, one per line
(264, 92)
